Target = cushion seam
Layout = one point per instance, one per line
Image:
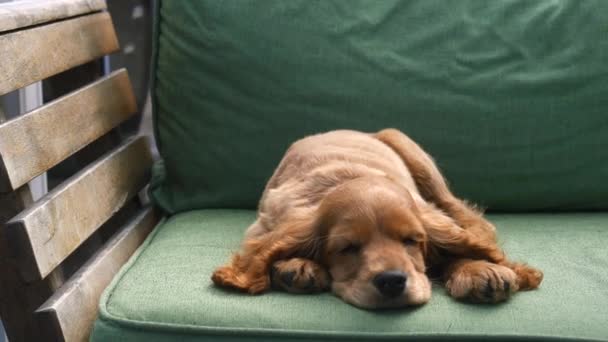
(106, 297)
(297, 333)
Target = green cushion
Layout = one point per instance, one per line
(165, 294)
(509, 96)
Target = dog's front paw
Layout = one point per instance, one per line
(228, 277)
(299, 275)
(528, 277)
(482, 282)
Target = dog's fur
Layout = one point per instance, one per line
(344, 206)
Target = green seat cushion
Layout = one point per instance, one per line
(510, 97)
(165, 294)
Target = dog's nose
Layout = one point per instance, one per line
(390, 283)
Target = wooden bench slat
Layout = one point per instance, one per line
(14, 15)
(71, 311)
(33, 54)
(33, 143)
(18, 298)
(46, 233)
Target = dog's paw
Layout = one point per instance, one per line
(528, 278)
(482, 282)
(299, 275)
(228, 277)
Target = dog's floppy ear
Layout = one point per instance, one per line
(444, 234)
(249, 270)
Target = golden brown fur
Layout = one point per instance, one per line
(366, 215)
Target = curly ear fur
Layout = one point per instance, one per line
(249, 270)
(448, 240)
(445, 235)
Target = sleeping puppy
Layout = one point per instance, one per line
(368, 216)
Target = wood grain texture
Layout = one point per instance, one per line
(45, 234)
(33, 143)
(33, 54)
(14, 15)
(71, 311)
(18, 298)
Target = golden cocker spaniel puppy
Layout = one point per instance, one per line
(369, 216)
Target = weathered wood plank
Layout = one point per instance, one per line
(14, 15)
(35, 142)
(70, 312)
(19, 299)
(45, 234)
(33, 54)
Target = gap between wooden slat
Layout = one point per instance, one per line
(45, 234)
(34, 142)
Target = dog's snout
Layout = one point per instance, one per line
(390, 283)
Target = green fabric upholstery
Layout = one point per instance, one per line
(164, 293)
(510, 97)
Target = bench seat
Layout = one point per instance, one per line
(165, 293)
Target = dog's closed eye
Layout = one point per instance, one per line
(409, 242)
(351, 248)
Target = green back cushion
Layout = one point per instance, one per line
(510, 97)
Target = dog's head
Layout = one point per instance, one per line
(374, 244)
